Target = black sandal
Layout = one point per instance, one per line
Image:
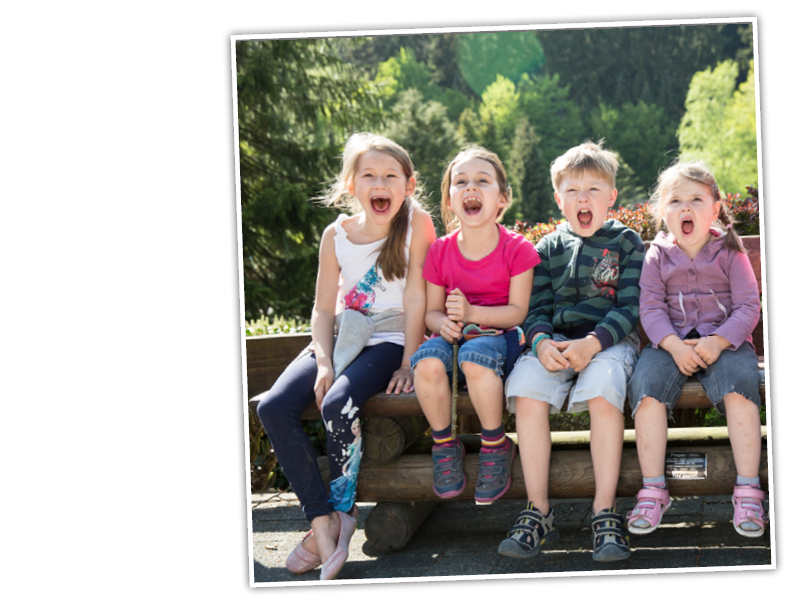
(610, 540)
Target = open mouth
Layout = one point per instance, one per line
(585, 217)
(687, 225)
(472, 206)
(381, 204)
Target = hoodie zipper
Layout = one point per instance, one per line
(577, 272)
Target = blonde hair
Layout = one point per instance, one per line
(391, 257)
(588, 157)
(699, 172)
(449, 218)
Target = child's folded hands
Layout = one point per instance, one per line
(580, 352)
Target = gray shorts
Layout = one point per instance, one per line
(605, 376)
(658, 376)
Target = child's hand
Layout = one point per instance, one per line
(323, 383)
(401, 381)
(550, 356)
(457, 307)
(579, 352)
(709, 348)
(450, 331)
(688, 361)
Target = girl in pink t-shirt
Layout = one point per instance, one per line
(479, 280)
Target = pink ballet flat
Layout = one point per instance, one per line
(302, 560)
(334, 564)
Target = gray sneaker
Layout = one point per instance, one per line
(494, 473)
(448, 470)
(530, 532)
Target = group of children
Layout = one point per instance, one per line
(535, 327)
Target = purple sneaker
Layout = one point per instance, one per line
(494, 473)
(448, 469)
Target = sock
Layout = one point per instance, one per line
(655, 482)
(443, 436)
(492, 439)
(753, 482)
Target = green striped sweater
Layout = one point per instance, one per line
(587, 285)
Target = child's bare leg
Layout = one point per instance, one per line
(607, 427)
(326, 534)
(744, 429)
(533, 437)
(432, 386)
(486, 392)
(651, 436)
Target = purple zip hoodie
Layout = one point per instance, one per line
(716, 293)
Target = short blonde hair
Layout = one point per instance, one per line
(449, 218)
(588, 157)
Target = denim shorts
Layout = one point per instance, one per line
(658, 376)
(605, 376)
(486, 351)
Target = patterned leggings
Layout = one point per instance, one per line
(280, 409)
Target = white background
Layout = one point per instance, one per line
(121, 437)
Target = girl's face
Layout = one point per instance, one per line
(689, 209)
(475, 195)
(380, 186)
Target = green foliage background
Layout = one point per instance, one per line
(653, 93)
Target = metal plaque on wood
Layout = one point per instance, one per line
(686, 465)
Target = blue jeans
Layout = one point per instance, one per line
(486, 351)
(280, 409)
(658, 376)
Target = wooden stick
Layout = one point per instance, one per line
(454, 391)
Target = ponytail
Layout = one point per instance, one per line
(732, 240)
(392, 255)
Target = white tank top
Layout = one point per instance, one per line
(362, 286)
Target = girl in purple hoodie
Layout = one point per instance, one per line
(699, 304)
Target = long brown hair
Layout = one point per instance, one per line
(449, 218)
(699, 172)
(391, 255)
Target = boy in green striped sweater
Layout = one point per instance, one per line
(584, 343)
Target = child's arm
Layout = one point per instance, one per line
(459, 309)
(323, 314)
(540, 313)
(436, 319)
(422, 236)
(745, 312)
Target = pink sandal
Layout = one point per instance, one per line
(748, 511)
(651, 504)
(302, 560)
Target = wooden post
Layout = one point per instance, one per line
(390, 525)
(386, 438)
(410, 477)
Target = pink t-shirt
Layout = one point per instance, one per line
(484, 282)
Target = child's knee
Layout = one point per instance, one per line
(600, 407)
(647, 408)
(531, 408)
(429, 370)
(737, 403)
(473, 371)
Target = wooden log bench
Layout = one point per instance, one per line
(396, 471)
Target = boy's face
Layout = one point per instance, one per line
(585, 198)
